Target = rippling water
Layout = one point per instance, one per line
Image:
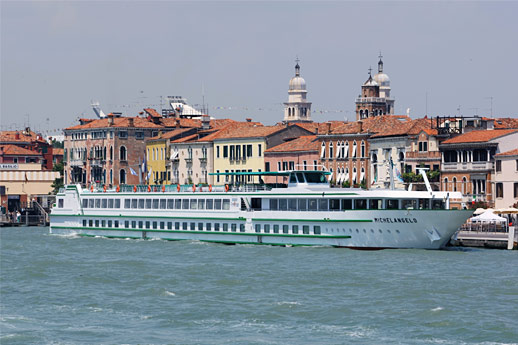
(71, 290)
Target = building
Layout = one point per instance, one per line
(299, 154)
(297, 109)
(506, 179)
(29, 140)
(375, 99)
(468, 163)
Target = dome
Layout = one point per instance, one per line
(297, 83)
(382, 79)
(370, 82)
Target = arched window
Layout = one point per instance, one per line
(361, 114)
(104, 153)
(122, 176)
(464, 185)
(111, 153)
(454, 184)
(330, 149)
(354, 149)
(366, 112)
(122, 153)
(323, 150)
(111, 176)
(445, 184)
(363, 148)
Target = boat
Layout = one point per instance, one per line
(303, 211)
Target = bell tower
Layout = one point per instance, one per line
(297, 109)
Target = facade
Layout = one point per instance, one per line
(192, 160)
(506, 179)
(374, 99)
(299, 154)
(29, 140)
(297, 109)
(468, 163)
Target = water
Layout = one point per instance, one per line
(71, 290)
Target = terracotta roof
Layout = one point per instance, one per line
(118, 122)
(13, 150)
(248, 131)
(171, 134)
(321, 126)
(506, 123)
(152, 112)
(479, 136)
(28, 137)
(412, 127)
(56, 151)
(180, 122)
(186, 139)
(508, 153)
(374, 125)
(220, 123)
(303, 143)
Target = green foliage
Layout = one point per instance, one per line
(363, 184)
(433, 175)
(346, 184)
(58, 167)
(411, 177)
(57, 184)
(58, 144)
(478, 204)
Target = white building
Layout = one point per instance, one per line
(506, 179)
(297, 109)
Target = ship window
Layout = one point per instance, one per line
(163, 203)
(276, 229)
(116, 223)
(91, 203)
(375, 204)
(170, 204)
(303, 204)
(225, 227)
(300, 177)
(423, 204)
(126, 224)
(200, 226)
(194, 204)
(84, 222)
(360, 204)
(141, 203)
(285, 229)
(210, 204)
(184, 225)
(316, 230)
(140, 224)
(257, 227)
(226, 204)
(201, 204)
(408, 204)
(97, 203)
(133, 224)
(169, 225)
(334, 204)
(155, 203)
(322, 205)
(90, 223)
(134, 203)
(392, 204)
(85, 203)
(110, 203)
(178, 204)
(312, 204)
(305, 229)
(347, 204)
(103, 223)
(438, 204)
(242, 227)
(155, 225)
(97, 223)
(117, 203)
(292, 204)
(177, 225)
(283, 204)
(209, 226)
(266, 228)
(109, 223)
(127, 203)
(274, 204)
(193, 226)
(233, 227)
(293, 179)
(217, 204)
(185, 204)
(216, 226)
(148, 224)
(104, 203)
(162, 225)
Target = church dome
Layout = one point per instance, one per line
(297, 83)
(382, 79)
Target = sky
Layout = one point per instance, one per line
(443, 58)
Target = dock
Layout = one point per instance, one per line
(486, 239)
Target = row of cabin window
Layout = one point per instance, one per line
(266, 228)
(178, 204)
(321, 204)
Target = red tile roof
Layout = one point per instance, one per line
(322, 127)
(180, 122)
(191, 137)
(13, 150)
(152, 112)
(373, 125)
(506, 123)
(508, 153)
(23, 137)
(479, 136)
(412, 127)
(118, 122)
(303, 143)
(56, 151)
(171, 134)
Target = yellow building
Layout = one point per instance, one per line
(241, 147)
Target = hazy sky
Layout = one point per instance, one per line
(58, 56)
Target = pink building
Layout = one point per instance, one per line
(299, 154)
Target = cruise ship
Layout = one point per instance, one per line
(302, 211)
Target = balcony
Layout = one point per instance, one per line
(467, 166)
(372, 100)
(429, 155)
(96, 162)
(77, 162)
(203, 159)
(188, 160)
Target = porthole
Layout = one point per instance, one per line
(397, 231)
(372, 230)
(380, 231)
(364, 231)
(388, 231)
(357, 231)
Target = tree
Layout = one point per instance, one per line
(58, 182)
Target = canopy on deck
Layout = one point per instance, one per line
(488, 217)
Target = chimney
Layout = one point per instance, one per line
(110, 119)
(17, 135)
(131, 122)
(205, 122)
(328, 125)
(248, 119)
(360, 123)
(316, 130)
